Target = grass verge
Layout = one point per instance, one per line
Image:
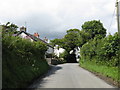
(109, 74)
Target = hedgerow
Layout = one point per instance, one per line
(22, 61)
(104, 51)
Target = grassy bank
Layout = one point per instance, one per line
(110, 72)
(22, 61)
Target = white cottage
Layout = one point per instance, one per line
(58, 51)
(35, 37)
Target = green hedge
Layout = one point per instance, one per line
(102, 56)
(22, 61)
(104, 51)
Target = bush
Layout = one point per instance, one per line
(104, 51)
(22, 61)
(58, 60)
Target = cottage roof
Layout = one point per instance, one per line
(33, 37)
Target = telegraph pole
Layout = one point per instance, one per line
(117, 12)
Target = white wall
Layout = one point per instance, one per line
(23, 35)
(77, 53)
(50, 50)
(58, 51)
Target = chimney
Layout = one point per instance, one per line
(36, 35)
(45, 39)
(23, 28)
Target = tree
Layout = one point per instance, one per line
(9, 28)
(71, 39)
(84, 37)
(76, 38)
(56, 41)
(94, 29)
(69, 42)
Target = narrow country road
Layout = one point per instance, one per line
(70, 75)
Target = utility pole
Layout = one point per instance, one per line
(118, 14)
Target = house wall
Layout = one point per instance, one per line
(23, 35)
(57, 50)
(50, 50)
(76, 51)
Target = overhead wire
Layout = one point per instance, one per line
(111, 21)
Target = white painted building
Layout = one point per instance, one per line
(32, 38)
(58, 51)
(76, 51)
(25, 36)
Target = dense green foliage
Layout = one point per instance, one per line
(56, 41)
(102, 56)
(99, 53)
(22, 61)
(77, 38)
(94, 28)
(71, 40)
(105, 51)
(56, 61)
(9, 29)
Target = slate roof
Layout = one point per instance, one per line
(33, 38)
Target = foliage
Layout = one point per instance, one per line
(111, 72)
(99, 53)
(93, 42)
(94, 28)
(62, 55)
(84, 37)
(70, 40)
(22, 61)
(73, 31)
(104, 51)
(9, 29)
(57, 42)
(75, 37)
(56, 61)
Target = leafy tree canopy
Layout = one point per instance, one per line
(73, 31)
(70, 40)
(75, 37)
(94, 28)
(56, 41)
(9, 28)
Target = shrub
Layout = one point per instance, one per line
(103, 51)
(22, 61)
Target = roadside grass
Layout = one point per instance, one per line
(111, 72)
(22, 75)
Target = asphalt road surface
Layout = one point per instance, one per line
(70, 75)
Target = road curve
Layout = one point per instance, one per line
(70, 75)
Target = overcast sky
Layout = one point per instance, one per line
(51, 18)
